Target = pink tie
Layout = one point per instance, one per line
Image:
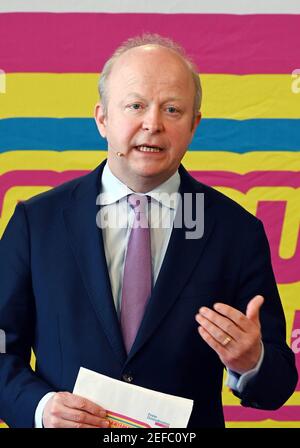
(136, 287)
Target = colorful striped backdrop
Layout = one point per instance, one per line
(248, 142)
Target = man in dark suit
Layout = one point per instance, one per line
(213, 302)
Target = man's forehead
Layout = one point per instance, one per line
(153, 69)
(142, 77)
(166, 88)
(146, 55)
(165, 96)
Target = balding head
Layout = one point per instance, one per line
(149, 42)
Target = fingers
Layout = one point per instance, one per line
(217, 325)
(226, 321)
(83, 419)
(253, 308)
(66, 410)
(241, 320)
(236, 316)
(61, 423)
(234, 336)
(217, 337)
(77, 402)
(213, 343)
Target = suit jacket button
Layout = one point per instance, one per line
(128, 378)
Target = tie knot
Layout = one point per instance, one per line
(138, 202)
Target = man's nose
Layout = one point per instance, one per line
(153, 121)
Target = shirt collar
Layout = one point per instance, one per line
(113, 190)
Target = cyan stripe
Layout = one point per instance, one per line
(63, 134)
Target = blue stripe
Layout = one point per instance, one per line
(212, 135)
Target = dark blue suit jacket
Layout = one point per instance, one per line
(55, 297)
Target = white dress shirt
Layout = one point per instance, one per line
(115, 209)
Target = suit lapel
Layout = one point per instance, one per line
(88, 248)
(181, 257)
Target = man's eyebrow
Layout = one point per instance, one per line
(173, 98)
(134, 95)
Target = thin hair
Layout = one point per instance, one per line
(139, 41)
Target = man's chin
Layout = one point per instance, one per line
(149, 171)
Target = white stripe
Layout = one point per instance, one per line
(155, 6)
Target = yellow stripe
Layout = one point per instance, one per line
(193, 160)
(251, 96)
(50, 160)
(241, 163)
(74, 95)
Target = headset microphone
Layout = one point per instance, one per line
(120, 154)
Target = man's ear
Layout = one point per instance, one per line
(100, 119)
(196, 122)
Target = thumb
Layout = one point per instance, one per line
(253, 308)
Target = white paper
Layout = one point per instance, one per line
(131, 406)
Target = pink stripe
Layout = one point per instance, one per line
(243, 414)
(34, 178)
(127, 419)
(81, 42)
(244, 182)
(161, 425)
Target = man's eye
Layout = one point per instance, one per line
(172, 109)
(135, 106)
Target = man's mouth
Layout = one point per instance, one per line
(149, 148)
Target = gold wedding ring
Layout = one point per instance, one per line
(226, 341)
